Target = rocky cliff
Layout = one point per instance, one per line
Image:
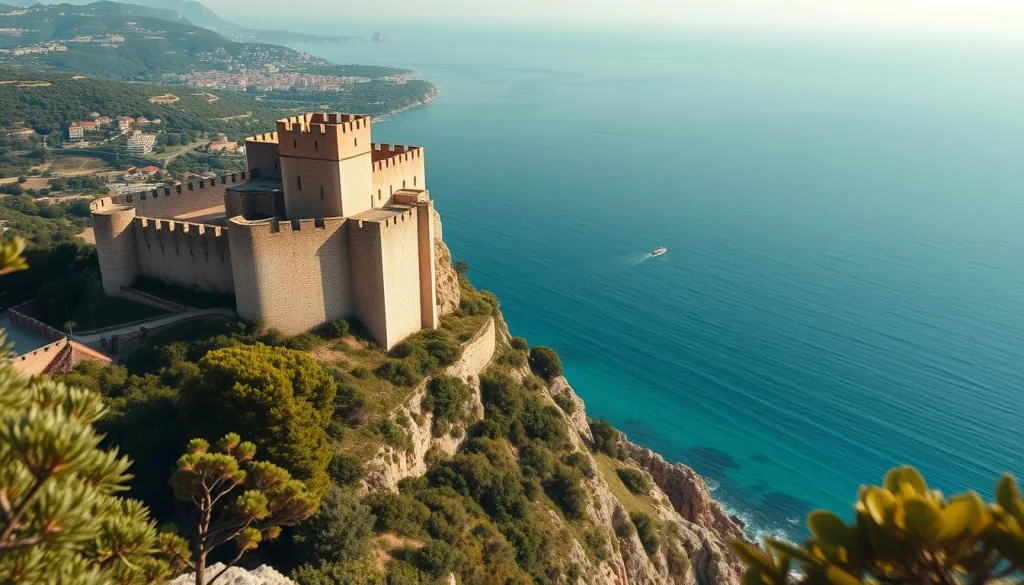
(448, 294)
(679, 497)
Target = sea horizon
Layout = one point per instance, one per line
(842, 222)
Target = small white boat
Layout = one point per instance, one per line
(658, 252)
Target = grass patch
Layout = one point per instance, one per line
(608, 468)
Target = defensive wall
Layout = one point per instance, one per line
(294, 274)
(192, 255)
(171, 202)
(396, 167)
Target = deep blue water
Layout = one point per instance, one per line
(844, 285)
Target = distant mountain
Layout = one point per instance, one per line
(133, 42)
(199, 15)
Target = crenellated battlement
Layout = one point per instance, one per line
(149, 225)
(386, 155)
(266, 137)
(393, 219)
(323, 123)
(143, 199)
(324, 136)
(277, 226)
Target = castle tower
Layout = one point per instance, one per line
(326, 165)
(115, 246)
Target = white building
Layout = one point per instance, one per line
(140, 144)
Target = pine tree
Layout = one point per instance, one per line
(61, 521)
(265, 499)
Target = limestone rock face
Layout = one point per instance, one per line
(264, 575)
(679, 497)
(390, 466)
(448, 294)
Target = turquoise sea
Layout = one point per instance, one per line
(844, 287)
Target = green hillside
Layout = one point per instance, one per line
(150, 45)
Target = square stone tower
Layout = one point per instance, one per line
(325, 165)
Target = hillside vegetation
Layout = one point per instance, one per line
(153, 45)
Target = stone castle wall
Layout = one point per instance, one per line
(191, 255)
(171, 202)
(386, 264)
(396, 167)
(292, 273)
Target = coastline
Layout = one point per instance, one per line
(428, 97)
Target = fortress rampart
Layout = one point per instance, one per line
(292, 273)
(170, 202)
(396, 167)
(191, 255)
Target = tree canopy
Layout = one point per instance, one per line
(278, 398)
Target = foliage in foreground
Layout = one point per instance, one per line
(60, 520)
(264, 498)
(279, 398)
(902, 533)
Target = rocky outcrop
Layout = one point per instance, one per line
(683, 501)
(263, 575)
(680, 498)
(448, 293)
(689, 495)
(390, 465)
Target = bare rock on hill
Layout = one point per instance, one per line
(264, 575)
(448, 293)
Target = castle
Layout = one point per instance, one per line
(325, 224)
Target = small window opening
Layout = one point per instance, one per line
(414, 181)
(321, 191)
(355, 142)
(316, 145)
(295, 143)
(298, 181)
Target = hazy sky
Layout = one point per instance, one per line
(923, 14)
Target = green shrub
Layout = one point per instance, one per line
(647, 530)
(567, 404)
(519, 343)
(345, 470)
(545, 362)
(596, 545)
(303, 342)
(435, 558)
(340, 530)
(399, 373)
(606, 438)
(335, 329)
(635, 481)
(361, 572)
(414, 354)
(565, 489)
(446, 396)
(397, 513)
(392, 433)
(402, 573)
(579, 461)
(361, 373)
(335, 430)
(513, 358)
(536, 460)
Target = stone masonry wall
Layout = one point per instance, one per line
(292, 274)
(403, 169)
(171, 202)
(400, 253)
(186, 254)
